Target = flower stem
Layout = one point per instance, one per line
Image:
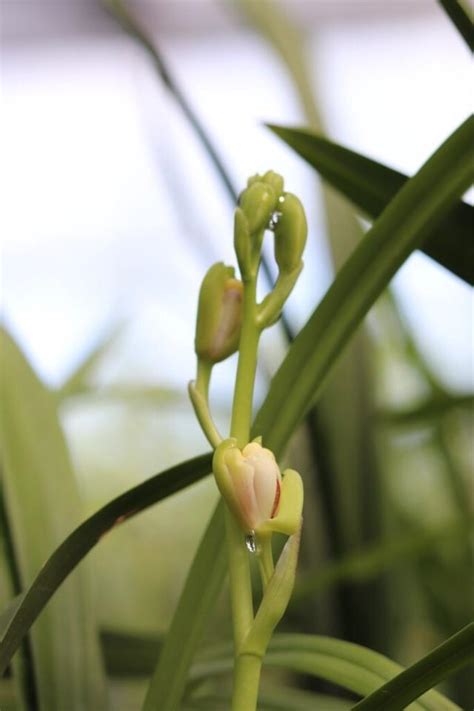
(246, 369)
(199, 394)
(246, 682)
(247, 667)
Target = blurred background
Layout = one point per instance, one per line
(112, 212)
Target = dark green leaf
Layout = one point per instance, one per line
(460, 20)
(454, 654)
(76, 546)
(415, 210)
(371, 186)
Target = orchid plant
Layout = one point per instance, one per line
(260, 500)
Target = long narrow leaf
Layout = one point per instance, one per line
(460, 20)
(190, 619)
(371, 186)
(41, 500)
(415, 210)
(76, 546)
(348, 665)
(454, 654)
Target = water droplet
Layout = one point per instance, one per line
(251, 543)
(274, 220)
(281, 198)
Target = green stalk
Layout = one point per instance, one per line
(246, 669)
(247, 366)
(246, 682)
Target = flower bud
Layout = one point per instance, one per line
(275, 180)
(290, 234)
(249, 480)
(219, 314)
(258, 202)
(242, 242)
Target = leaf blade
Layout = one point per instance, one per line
(37, 473)
(346, 664)
(371, 186)
(460, 20)
(454, 654)
(82, 539)
(400, 229)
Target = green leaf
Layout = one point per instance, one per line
(460, 20)
(76, 546)
(454, 654)
(41, 501)
(190, 619)
(279, 698)
(371, 186)
(348, 665)
(413, 212)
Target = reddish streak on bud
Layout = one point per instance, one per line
(277, 499)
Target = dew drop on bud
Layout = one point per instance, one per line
(251, 543)
(274, 220)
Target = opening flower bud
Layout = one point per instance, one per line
(250, 482)
(219, 314)
(290, 234)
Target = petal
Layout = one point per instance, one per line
(288, 518)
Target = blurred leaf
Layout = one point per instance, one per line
(190, 619)
(452, 655)
(460, 20)
(371, 186)
(376, 559)
(280, 698)
(79, 380)
(128, 655)
(348, 665)
(76, 546)
(414, 211)
(430, 409)
(42, 501)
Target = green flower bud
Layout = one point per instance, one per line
(219, 314)
(242, 242)
(258, 202)
(275, 180)
(290, 233)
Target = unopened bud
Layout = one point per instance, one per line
(219, 314)
(275, 180)
(258, 202)
(250, 481)
(290, 234)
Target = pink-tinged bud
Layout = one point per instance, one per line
(219, 314)
(250, 482)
